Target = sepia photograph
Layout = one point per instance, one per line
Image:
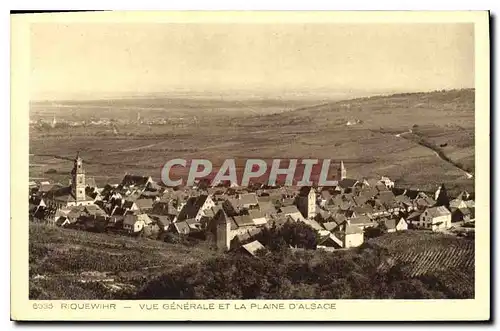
(254, 160)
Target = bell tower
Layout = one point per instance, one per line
(311, 204)
(222, 231)
(78, 179)
(341, 171)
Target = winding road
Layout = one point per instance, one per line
(467, 174)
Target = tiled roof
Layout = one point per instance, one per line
(352, 229)
(438, 211)
(347, 183)
(253, 247)
(243, 220)
(361, 220)
(144, 203)
(134, 180)
(192, 207)
(289, 210)
(248, 199)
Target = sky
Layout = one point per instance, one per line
(97, 59)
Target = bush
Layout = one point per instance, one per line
(291, 234)
(291, 275)
(373, 232)
(187, 240)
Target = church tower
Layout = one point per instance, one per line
(78, 180)
(341, 171)
(311, 204)
(222, 231)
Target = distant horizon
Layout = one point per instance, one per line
(244, 94)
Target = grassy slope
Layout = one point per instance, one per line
(368, 149)
(65, 264)
(366, 272)
(60, 259)
(437, 117)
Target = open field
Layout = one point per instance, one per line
(150, 108)
(375, 146)
(75, 264)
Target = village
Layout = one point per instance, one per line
(342, 215)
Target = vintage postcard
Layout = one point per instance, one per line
(242, 166)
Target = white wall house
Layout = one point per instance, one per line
(135, 223)
(435, 219)
(352, 236)
(353, 239)
(387, 182)
(394, 225)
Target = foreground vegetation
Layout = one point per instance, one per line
(407, 265)
(70, 264)
(73, 264)
(433, 255)
(363, 273)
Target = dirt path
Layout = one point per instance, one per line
(141, 147)
(467, 174)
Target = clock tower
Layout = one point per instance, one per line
(78, 179)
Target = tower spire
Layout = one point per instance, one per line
(341, 172)
(78, 179)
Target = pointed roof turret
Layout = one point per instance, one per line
(78, 164)
(341, 171)
(442, 198)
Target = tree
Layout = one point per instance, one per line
(295, 234)
(363, 273)
(299, 234)
(373, 232)
(271, 239)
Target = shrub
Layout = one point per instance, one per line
(292, 275)
(294, 234)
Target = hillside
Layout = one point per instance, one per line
(405, 108)
(408, 136)
(425, 254)
(378, 143)
(371, 271)
(73, 264)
